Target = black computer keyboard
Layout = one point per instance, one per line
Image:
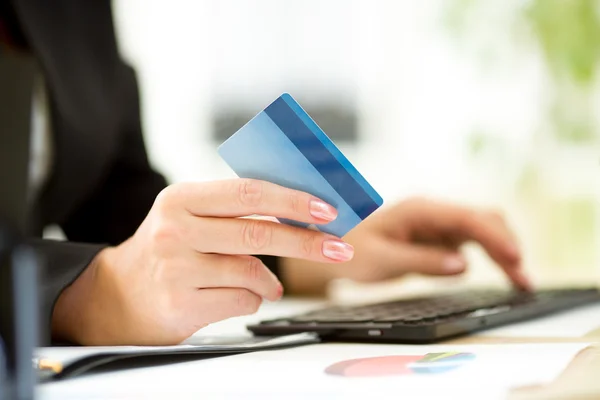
(428, 319)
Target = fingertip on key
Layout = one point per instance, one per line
(522, 281)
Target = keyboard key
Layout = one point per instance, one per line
(344, 319)
(430, 316)
(466, 309)
(412, 319)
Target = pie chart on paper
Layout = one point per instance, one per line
(430, 363)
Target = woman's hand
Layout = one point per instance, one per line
(415, 236)
(190, 264)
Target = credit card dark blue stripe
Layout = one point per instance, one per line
(329, 145)
(321, 158)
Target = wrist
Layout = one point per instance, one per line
(76, 312)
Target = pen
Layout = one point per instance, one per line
(45, 364)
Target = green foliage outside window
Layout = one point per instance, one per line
(566, 33)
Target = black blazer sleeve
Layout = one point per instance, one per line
(62, 264)
(95, 111)
(111, 214)
(123, 198)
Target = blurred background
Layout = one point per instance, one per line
(489, 103)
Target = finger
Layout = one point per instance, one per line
(227, 271)
(429, 260)
(244, 197)
(510, 259)
(214, 305)
(467, 224)
(452, 243)
(431, 220)
(500, 232)
(251, 236)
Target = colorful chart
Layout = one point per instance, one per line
(430, 363)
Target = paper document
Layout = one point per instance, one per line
(342, 371)
(414, 371)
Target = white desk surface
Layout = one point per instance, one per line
(186, 378)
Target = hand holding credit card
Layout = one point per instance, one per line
(283, 145)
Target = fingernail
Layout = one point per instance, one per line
(322, 210)
(337, 250)
(454, 264)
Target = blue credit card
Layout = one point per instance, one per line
(283, 145)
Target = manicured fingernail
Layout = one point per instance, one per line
(321, 210)
(279, 290)
(338, 251)
(454, 264)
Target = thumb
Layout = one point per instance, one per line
(424, 259)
